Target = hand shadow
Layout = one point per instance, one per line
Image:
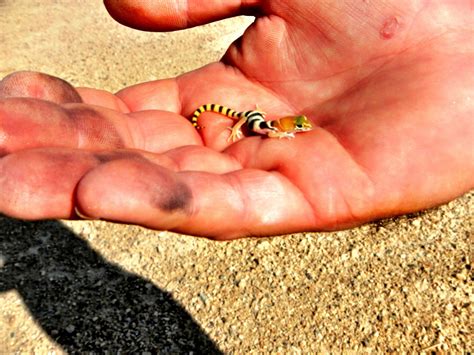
(85, 303)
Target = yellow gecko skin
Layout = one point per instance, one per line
(213, 108)
(284, 127)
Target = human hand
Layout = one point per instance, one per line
(388, 87)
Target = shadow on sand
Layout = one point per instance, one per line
(85, 303)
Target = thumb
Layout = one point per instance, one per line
(168, 15)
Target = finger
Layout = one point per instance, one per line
(148, 189)
(240, 203)
(166, 15)
(53, 89)
(28, 123)
(39, 86)
(41, 183)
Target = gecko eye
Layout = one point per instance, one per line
(302, 123)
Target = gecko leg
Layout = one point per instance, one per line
(236, 130)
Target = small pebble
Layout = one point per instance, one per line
(70, 328)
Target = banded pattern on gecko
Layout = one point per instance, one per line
(284, 127)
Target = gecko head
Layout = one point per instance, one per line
(302, 123)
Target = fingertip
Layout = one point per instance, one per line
(134, 191)
(39, 183)
(169, 15)
(147, 16)
(38, 85)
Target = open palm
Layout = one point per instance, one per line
(389, 88)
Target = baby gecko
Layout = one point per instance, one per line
(284, 127)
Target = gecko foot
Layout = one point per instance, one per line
(235, 134)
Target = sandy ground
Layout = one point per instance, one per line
(396, 285)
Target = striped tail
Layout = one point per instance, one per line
(214, 108)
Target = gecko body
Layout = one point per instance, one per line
(284, 127)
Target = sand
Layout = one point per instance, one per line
(402, 284)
